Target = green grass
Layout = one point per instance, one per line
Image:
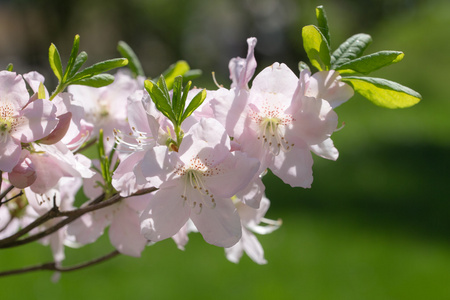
(313, 256)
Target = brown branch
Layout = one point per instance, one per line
(52, 266)
(72, 215)
(3, 195)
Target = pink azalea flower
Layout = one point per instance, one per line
(149, 129)
(122, 217)
(105, 107)
(62, 161)
(75, 130)
(62, 195)
(250, 219)
(21, 120)
(281, 118)
(199, 181)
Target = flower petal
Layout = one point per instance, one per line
(219, 225)
(166, 213)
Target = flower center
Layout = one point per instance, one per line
(195, 193)
(271, 130)
(7, 120)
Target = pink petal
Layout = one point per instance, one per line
(327, 85)
(125, 233)
(12, 87)
(166, 213)
(38, 120)
(219, 225)
(325, 149)
(294, 167)
(234, 175)
(10, 150)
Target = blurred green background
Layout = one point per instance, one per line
(376, 223)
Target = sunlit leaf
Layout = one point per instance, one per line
(372, 62)
(322, 21)
(55, 61)
(177, 69)
(73, 56)
(192, 74)
(96, 80)
(177, 106)
(160, 100)
(316, 47)
(352, 48)
(384, 92)
(79, 61)
(194, 104)
(100, 68)
(41, 91)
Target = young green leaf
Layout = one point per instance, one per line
(176, 97)
(322, 21)
(162, 85)
(73, 56)
(41, 91)
(178, 68)
(316, 47)
(96, 80)
(194, 104)
(9, 67)
(303, 66)
(161, 102)
(192, 74)
(383, 92)
(184, 98)
(133, 61)
(99, 68)
(79, 61)
(370, 63)
(55, 61)
(352, 48)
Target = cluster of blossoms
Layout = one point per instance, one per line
(205, 174)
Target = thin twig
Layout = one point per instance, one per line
(52, 266)
(72, 215)
(3, 195)
(12, 198)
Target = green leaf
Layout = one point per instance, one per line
(55, 61)
(96, 80)
(192, 74)
(322, 21)
(303, 66)
(41, 91)
(194, 104)
(383, 92)
(100, 68)
(161, 102)
(133, 61)
(184, 98)
(162, 85)
(316, 47)
(370, 63)
(9, 67)
(178, 68)
(73, 56)
(352, 48)
(79, 61)
(177, 106)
